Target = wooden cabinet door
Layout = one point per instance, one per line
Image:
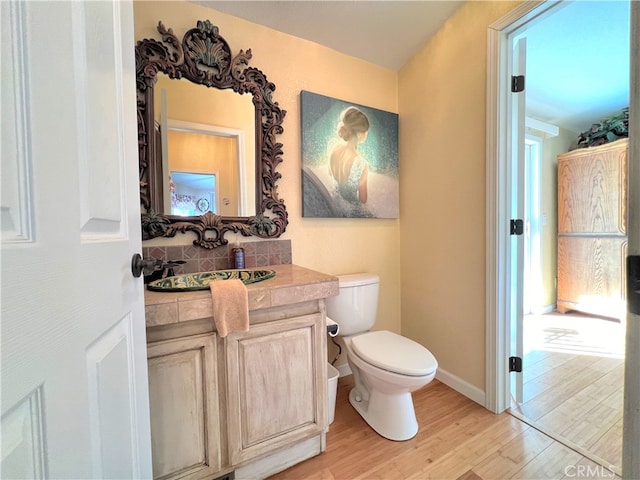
(592, 194)
(185, 422)
(277, 386)
(590, 274)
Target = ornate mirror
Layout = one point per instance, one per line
(204, 58)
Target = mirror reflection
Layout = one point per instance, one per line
(192, 193)
(208, 132)
(197, 152)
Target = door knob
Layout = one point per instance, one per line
(141, 265)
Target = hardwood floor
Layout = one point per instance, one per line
(458, 439)
(573, 382)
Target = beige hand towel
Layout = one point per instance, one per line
(230, 306)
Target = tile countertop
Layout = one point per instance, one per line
(292, 284)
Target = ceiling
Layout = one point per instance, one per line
(577, 56)
(386, 33)
(578, 63)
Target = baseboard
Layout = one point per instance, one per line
(465, 388)
(544, 309)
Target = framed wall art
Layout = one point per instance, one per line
(349, 159)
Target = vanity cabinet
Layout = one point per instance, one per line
(275, 386)
(253, 402)
(185, 417)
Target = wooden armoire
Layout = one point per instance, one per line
(592, 229)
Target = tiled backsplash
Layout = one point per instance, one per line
(256, 254)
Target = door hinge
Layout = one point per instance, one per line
(633, 284)
(517, 83)
(517, 226)
(515, 364)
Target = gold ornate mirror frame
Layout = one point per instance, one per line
(204, 57)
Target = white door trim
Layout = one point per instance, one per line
(497, 274)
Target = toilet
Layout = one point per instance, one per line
(386, 366)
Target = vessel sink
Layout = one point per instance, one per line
(190, 282)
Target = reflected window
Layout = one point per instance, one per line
(192, 193)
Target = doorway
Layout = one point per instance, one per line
(532, 302)
(500, 276)
(572, 363)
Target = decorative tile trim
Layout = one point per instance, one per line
(256, 254)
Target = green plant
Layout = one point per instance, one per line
(608, 130)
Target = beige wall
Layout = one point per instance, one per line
(332, 246)
(442, 107)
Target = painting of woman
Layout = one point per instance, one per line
(349, 159)
(347, 166)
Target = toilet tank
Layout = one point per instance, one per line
(355, 308)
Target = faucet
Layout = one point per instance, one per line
(159, 269)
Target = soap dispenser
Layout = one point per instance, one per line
(238, 255)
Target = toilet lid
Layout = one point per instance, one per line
(394, 353)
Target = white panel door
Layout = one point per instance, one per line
(516, 137)
(631, 435)
(73, 366)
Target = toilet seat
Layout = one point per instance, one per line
(394, 353)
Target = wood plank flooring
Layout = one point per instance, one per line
(458, 439)
(573, 382)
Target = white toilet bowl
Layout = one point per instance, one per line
(387, 368)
